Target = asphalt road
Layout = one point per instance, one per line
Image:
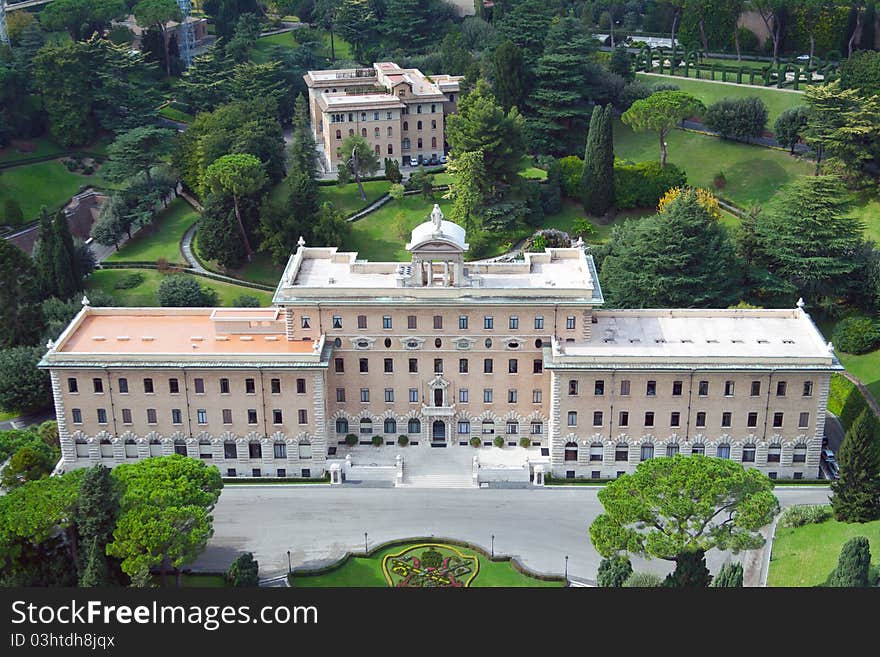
(319, 524)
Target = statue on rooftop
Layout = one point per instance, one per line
(437, 217)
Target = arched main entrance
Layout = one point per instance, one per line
(438, 431)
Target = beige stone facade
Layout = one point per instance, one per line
(399, 111)
(442, 351)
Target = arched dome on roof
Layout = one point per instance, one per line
(438, 232)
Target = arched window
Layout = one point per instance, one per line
(748, 453)
(351, 132)
(433, 142)
(621, 452)
(366, 426)
(305, 449)
(391, 149)
(376, 132)
(390, 131)
(419, 125)
(433, 124)
(571, 452)
(406, 144)
(131, 451)
(420, 142)
(155, 447)
(698, 448)
(342, 425)
(723, 451)
(180, 446)
(363, 116)
(414, 426)
(596, 452)
(488, 427)
(405, 125)
(377, 149)
(390, 425)
(363, 132)
(774, 452)
(647, 452)
(800, 453)
(672, 449)
(339, 134)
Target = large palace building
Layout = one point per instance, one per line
(441, 351)
(399, 111)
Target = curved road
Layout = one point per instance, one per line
(318, 524)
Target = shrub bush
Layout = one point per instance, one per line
(641, 185)
(720, 180)
(246, 301)
(797, 516)
(475, 442)
(129, 281)
(642, 581)
(12, 213)
(856, 335)
(571, 169)
(739, 118)
(377, 441)
(244, 571)
(525, 442)
(613, 572)
(183, 290)
(402, 440)
(351, 440)
(499, 441)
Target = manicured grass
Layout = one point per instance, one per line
(44, 183)
(8, 415)
(260, 53)
(805, 556)
(754, 174)
(347, 199)
(866, 368)
(867, 208)
(163, 239)
(382, 235)
(260, 270)
(176, 115)
(367, 572)
(572, 210)
(44, 146)
(145, 293)
(710, 91)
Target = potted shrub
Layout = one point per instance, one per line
(351, 440)
(499, 441)
(402, 440)
(377, 441)
(525, 442)
(475, 442)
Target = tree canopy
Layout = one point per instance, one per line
(660, 112)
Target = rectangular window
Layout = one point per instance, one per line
(780, 388)
(98, 385)
(537, 396)
(362, 321)
(570, 323)
(728, 388)
(438, 366)
(487, 365)
(572, 388)
(102, 416)
(756, 389)
(676, 388)
(651, 388)
(275, 386)
(76, 414)
(72, 385)
(462, 321)
(176, 416)
(512, 366)
(464, 427)
(487, 395)
(337, 321)
(411, 322)
(777, 420)
(572, 418)
(462, 365)
(808, 389)
(488, 322)
(340, 394)
(675, 419)
(252, 416)
(388, 365)
(123, 385)
(599, 388)
(305, 322)
(752, 421)
(537, 429)
(389, 395)
(173, 386)
(511, 396)
(202, 416)
(703, 389)
(413, 365)
(463, 395)
(621, 453)
(726, 419)
(126, 415)
(413, 395)
(277, 416)
(597, 418)
(255, 451)
(229, 451)
(649, 418)
(624, 388)
(701, 419)
(365, 395)
(227, 416)
(224, 386)
(250, 387)
(539, 322)
(199, 386)
(339, 365)
(512, 428)
(302, 416)
(623, 419)
(363, 365)
(386, 321)
(513, 322)
(438, 322)
(803, 420)
(537, 366)
(279, 451)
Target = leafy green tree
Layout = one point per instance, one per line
(303, 155)
(81, 18)
(854, 565)
(67, 104)
(27, 464)
(22, 386)
(614, 571)
(331, 228)
(660, 112)
(680, 258)
(856, 494)
(184, 290)
(237, 175)
(690, 571)
(789, 126)
(621, 63)
(597, 180)
(283, 223)
(96, 514)
(244, 571)
(356, 22)
(466, 189)
(510, 77)
(829, 110)
(56, 261)
(643, 581)
(205, 85)
(527, 25)
(730, 576)
(868, 37)
(739, 118)
(137, 151)
(326, 12)
(20, 299)
(361, 159)
(247, 31)
(392, 171)
(673, 506)
(265, 82)
(808, 237)
(406, 23)
(225, 14)
(567, 83)
(156, 14)
(482, 125)
(246, 301)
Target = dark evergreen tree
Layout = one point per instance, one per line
(789, 127)
(244, 571)
(869, 27)
(68, 278)
(303, 155)
(681, 258)
(44, 251)
(219, 234)
(856, 494)
(97, 507)
(854, 565)
(597, 181)
(509, 76)
(20, 299)
(614, 571)
(690, 571)
(392, 171)
(95, 571)
(406, 23)
(621, 63)
(730, 576)
(527, 25)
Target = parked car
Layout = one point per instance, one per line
(828, 455)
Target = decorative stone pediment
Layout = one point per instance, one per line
(438, 382)
(463, 343)
(513, 343)
(362, 342)
(412, 343)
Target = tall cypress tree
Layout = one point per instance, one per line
(68, 279)
(730, 576)
(853, 565)
(868, 27)
(856, 495)
(597, 180)
(44, 255)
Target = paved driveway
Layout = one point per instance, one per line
(319, 524)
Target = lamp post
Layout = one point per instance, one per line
(566, 566)
(493, 545)
(288, 562)
(365, 543)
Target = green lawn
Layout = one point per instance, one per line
(260, 53)
(44, 183)
(347, 198)
(382, 235)
(866, 368)
(754, 174)
(162, 240)
(367, 572)
(868, 210)
(145, 293)
(710, 91)
(572, 210)
(176, 115)
(805, 556)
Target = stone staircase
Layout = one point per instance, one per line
(437, 480)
